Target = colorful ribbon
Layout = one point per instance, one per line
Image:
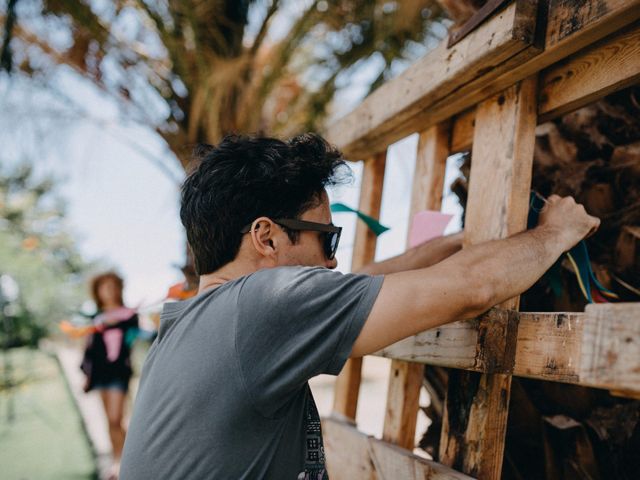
(376, 227)
(578, 257)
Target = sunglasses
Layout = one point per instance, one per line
(331, 233)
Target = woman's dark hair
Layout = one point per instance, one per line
(104, 277)
(246, 177)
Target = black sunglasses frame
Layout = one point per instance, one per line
(331, 232)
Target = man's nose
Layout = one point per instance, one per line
(333, 263)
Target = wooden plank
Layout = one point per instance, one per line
(373, 124)
(549, 346)
(596, 19)
(462, 131)
(480, 16)
(591, 74)
(355, 455)
(347, 386)
(364, 249)
(453, 345)
(394, 463)
(431, 162)
(477, 406)
(611, 346)
(347, 451)
(612, 64)
(405, 378)
(403, 394)
(593, 27)
(556, 346)
(502, 158)
(574, 24)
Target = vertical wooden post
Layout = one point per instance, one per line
(405, 379)
(477, 405)
(347, 386)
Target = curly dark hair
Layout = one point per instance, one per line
(246, 177)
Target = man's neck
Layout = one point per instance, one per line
(227, 273)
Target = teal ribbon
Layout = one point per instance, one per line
(135, 333)
(581, 256)
(376, 227)
(579, 253)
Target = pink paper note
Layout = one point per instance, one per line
(427, 225)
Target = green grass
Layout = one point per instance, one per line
(45, 438)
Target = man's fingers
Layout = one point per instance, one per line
(551, 200)
(595, 224)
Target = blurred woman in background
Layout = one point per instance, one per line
(107, 357)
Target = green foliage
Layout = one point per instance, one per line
(40, 254)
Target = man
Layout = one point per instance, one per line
(224, 390)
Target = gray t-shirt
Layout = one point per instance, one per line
(224, 392)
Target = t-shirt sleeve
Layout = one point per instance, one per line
(295, 323)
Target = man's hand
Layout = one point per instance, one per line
(569, 219)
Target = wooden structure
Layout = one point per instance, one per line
(529, 62)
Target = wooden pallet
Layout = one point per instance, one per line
(530, 62)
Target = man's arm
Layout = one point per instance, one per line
(421, 256)
(473, 280)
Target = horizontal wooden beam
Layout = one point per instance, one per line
(610, 355)
(600, 69)
(439, 86)
(375, 123)
(351, 454)
(598, 348)
(347, 451)
(587, 76)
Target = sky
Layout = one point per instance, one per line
(121, 182)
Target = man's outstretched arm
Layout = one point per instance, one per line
(473, 280)
(421, 256)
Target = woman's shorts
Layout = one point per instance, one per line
(121, 385)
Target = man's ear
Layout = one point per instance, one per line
(262, 236)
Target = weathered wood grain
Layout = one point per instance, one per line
(609, 65)
(591, 74)
(403, 393)
(577, 23)
(405, 379)
(610, 354)
(394, 463)
(347, 452)
(355, 455)
(364, 249)
(431, 162)
(598, 348)
(477, 406)
(347, 387)
(374, 124)
(549, 346)
(462, 131)
(594, 22)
